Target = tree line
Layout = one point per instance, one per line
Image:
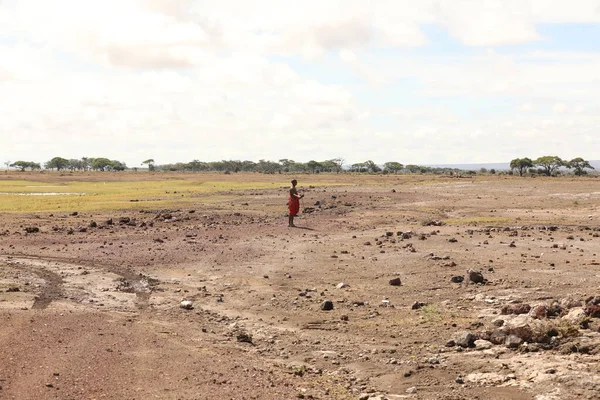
(63, 164)
(549, 165)
(546, 165)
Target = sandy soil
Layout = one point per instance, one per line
(92, 311)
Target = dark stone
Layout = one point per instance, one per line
(32, 229)
(513, 341)
(593, 311)
(244, 337)
(327, 305)
(476, 276)
(396, 282)
(498, 337)
(457, 279)
(516, 309)
(464, 339)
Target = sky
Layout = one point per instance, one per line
(413, 81)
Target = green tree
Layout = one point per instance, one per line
(150, 163)
(413, 168)
(521, 164)
(85, 163)
(393, 166)
(101, 164)
(549, 164)
(359, 167)
(75, 164)
(22, 165)
(372, 167)
(58, 163)
(313, 166)
(579, 165)
(118, 165)
(339, 164)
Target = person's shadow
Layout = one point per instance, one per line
(303, 227)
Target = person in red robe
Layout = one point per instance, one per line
(294, 203)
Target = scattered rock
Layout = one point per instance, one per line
(539, 312)
(576, 316)
(186, 305)
(464, 339)
(516, 309)
(244, 337)
(32, 229)
(498, 336)
(449, 264)
(418, 304)
(513, 341)
(433, 223)
(457, 279)
(342, 285)
(411, 390)
(327, 305)
(593, 311)
(476, 276)
(526, 328)
(396, 282)
(568, 303)
(483, 344)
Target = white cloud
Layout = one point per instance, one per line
(527, 107)
(184, 79)
(560, 108)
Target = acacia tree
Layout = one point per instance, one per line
(413, 168)
(393, 166)
(549, 164)
(101, 164)
(150, 163)
(313, 166)
(339, 163)
(372, 167)
(579, 165)
(58, 163)
(521, 164)
(25, 164)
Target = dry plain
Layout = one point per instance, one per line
(93, 273)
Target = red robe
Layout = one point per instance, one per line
(294, 205)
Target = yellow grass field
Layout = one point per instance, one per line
(51, 192)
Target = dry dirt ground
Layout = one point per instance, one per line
(93, 311)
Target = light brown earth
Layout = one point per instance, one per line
(97, 315)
